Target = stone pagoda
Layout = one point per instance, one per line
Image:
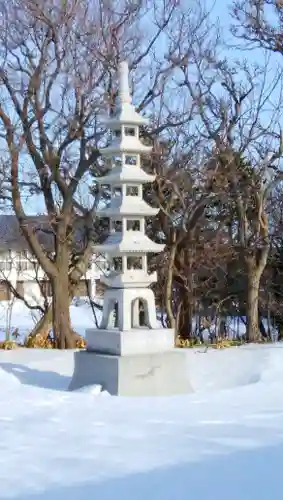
(127, 245)
(124, 355)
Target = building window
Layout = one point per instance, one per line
(132, 191)
(5, 265)
(134, 263)
(24, 261)
(117, 226)
(130, 131)
(117, 160)
(130, 160)
(101, 265)
(33, 264)
(117, 191)
(118, 263)
(6, 260)
(117, 133)
(133, 225)
(5, 292)
(23, 265)
(46, 288)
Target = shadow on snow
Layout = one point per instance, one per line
(240, 475)
(37, 378)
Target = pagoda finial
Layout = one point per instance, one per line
(124, 90)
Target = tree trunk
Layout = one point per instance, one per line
(186, 319)
(44, 325)
(265, 334)
(62, 330)
(221, 327)
(253, 331)
(169, 287)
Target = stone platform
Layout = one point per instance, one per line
(135, 341)
(153, 374)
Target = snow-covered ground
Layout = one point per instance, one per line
(225, 441)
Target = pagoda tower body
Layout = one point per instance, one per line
(124, 355)
(127, 245)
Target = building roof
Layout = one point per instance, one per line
(11, 237)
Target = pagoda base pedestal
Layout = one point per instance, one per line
(155, 374)
(129, 342)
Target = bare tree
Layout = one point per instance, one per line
(259, 23)
(247, 143)
(58, 65)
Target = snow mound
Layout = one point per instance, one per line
(218, 369)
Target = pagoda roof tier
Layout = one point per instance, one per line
(126, 174)
(134, 278)
(124, 115)
(127, 206)
(128, 242)
(130, 145)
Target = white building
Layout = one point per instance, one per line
(19, 267)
